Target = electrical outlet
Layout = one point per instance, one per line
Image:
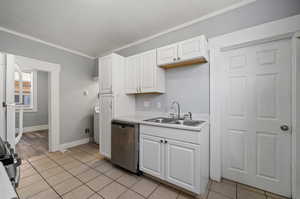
(87, 131)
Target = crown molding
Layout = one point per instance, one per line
(45, 42)
(184, 25)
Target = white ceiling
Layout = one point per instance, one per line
(97, 26)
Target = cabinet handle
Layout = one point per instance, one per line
(174, 59)
(166, 141)
(161, 141)
(178, 58)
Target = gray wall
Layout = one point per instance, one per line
(41, 116)
(75, 77)
(190, 85)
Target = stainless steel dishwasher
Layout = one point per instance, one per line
(125, 145)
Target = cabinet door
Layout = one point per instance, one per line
(167, 54)
(190, 49)
(105, 74)
(132, 74)
(183, 165)
(151, 155)
(106, 104)
(148, 71)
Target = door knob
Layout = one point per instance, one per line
(284, 127)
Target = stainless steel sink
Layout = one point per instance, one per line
(192, 122)
(167, 120)
(160, 120)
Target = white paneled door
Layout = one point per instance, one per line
(256, 116)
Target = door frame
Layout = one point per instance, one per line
(53, 95)
(280, 29)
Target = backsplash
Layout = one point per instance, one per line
(187, 85)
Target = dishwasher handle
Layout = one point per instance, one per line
(122, 124)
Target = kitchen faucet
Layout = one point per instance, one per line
(178, 108)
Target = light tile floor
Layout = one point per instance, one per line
(81, 173)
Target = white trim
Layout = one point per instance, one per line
(26, 63)
(2, 111)
(65, 146)
(45, 42)
(247, 36)
(295, 115)
(184, 25)
(35, 128)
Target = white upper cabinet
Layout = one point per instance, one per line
(167, 54)
(143, 75)
(192, 48)
(105, 74)
(132, 75)
(187, 52)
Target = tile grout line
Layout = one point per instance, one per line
(113, 180)
(86, 183)
(44, 180)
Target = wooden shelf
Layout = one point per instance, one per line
(185, 63)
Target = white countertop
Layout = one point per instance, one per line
(6, 189)
(139, 117)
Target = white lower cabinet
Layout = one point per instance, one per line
(175, 161)
(151, 155)
(182, 164)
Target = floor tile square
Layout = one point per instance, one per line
(78, 170)
(47, 194)
(99, 182)
(67, 185)
(112, 191)
(164, 192)
(104, 167)
(24, 182)
(145, 187)
(95, 163)
(214, 195)
(130, 195)
(35, 188)
(128, 179)
(248, 194)
(96, 196)
(88, 175)
(114, 173)
(81, 192)
(224, 188)
(52, 172)
(56, 179)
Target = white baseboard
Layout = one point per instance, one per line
(65, 146)
(34, 128)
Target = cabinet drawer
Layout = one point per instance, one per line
(170, 133)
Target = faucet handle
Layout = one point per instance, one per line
(188, 116)
(172, 115)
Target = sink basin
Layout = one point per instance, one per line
(160, 120)
(192, 122)
(167, 120)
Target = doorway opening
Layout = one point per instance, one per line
(35, 107)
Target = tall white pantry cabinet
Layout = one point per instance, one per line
(113, 100)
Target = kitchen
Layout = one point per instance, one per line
(201, 109)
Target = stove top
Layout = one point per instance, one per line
(6, 154)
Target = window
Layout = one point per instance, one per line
(29, 99)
